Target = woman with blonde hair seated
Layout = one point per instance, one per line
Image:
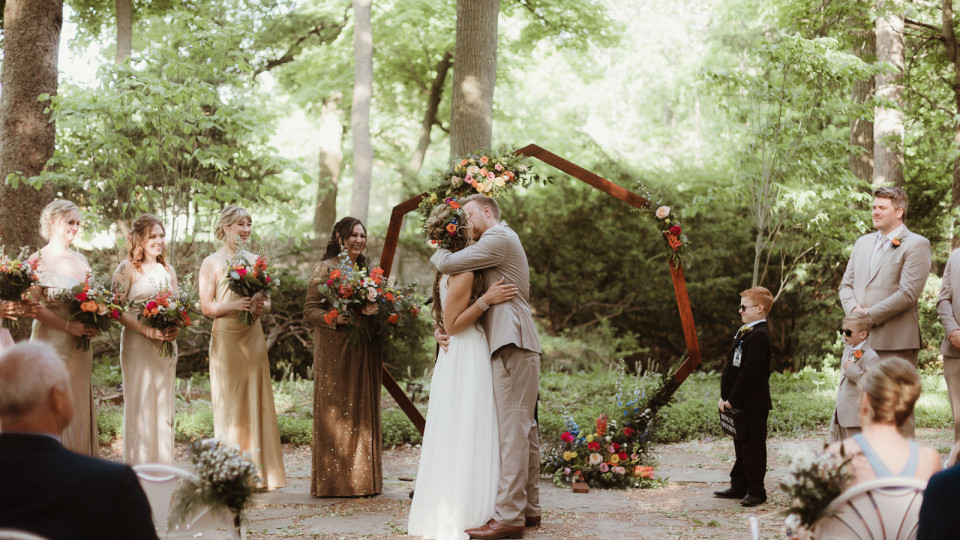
(890, 390)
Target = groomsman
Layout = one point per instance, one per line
(949, 310)
(884, 278)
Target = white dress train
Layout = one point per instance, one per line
(460, 458)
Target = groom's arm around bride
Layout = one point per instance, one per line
(515, 350)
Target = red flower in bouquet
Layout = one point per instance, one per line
(164, 312)
(92, 304)
(246, 280)
(675, 230)
(629, 432)
(622, 455)
(593, 446)
(376, 275)
(330, 316)
(567, 437)
(392, 319)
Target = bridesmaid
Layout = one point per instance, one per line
(149, 380)
(243, 409)
(61, 269)
(347, 443)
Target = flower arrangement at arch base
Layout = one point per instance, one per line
(489, 172)
(616, 453)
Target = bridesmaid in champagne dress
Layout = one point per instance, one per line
(243, 409)
(62, 269)
(347, 442)
(149, 380)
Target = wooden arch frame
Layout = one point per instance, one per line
(608, 187)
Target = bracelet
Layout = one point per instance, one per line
(67, 327)
(483, 305)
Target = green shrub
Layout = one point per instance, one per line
(109, 422)
(194, 421)
(106, 373)
(398, 429)
(296, 430)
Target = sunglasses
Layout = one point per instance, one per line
(846, 331)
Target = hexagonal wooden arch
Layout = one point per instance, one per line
(598, 182)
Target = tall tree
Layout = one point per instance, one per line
(861, 128)
(888, 130)
(360, 111)
(474, 76)
(124, 29)
(331, 159)
(27, 136)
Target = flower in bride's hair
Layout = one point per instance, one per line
(453, 203)
(456, 181)
(663, 212)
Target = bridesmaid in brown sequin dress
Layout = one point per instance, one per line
(347, 444)
(61, 269)
(243, 409)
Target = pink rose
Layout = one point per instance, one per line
(371, 294)
(566, 470)
(266, 279)
(663, 212)
(151, 305)
(242, 271)
(604, 467)
(491, 175)
(498, 167)
(566, 437)
(330, 282)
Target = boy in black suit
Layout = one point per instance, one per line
(745, 385)
(46, 489)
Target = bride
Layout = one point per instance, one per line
(460, 457)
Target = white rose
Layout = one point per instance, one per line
(371, 294)
(663, 212)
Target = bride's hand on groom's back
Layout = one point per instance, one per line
(500, 292)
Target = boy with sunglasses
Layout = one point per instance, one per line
(857, 358)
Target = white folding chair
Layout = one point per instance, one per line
(885, 508)
(160, 482)
(11, 534)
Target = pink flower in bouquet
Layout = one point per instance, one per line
(330, 282)
(663, 212)
(498, 167)
(114, 314)
(266, 278)
(604, 467)
(242, 271)
(566, 437)
(566, 470)
(618, 470)
(634, 457)
(151, 305)
(371, 294)
(595, 458)
(612, 448)
(675, 230)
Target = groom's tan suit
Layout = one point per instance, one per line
(515, 353)
(889, 288)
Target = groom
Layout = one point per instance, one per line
(515, 351)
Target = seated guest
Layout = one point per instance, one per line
(890, 389)
(858, 357)
(940, 511)
(46, 489)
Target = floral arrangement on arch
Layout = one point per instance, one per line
(350, 288)
(488, 172)
(616, 453)
(668, 222)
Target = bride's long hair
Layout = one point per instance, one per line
(436, 228)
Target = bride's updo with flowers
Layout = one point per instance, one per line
(447, 227)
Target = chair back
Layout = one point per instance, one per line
(884, 508)
(160, 482)
(11, 534)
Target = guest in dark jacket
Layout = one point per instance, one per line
(745, 386)
(46, 489)
(940, 511)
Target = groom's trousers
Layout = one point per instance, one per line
(516, 382)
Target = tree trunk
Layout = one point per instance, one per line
(27, 136)
(888, 123)
(953, 53)
(124, 29)
(474, 77)
(429, 119)
(360, 112)
(331, 159)
(861, 129)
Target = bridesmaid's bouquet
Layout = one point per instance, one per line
(814, 481)
(350, 289)
(246, 280)
(16, 277)
(164, 311)
(92, 303)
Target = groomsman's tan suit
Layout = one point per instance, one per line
(515, 351)
(889, 288)
(949, 310)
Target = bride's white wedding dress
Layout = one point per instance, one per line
(460, 458)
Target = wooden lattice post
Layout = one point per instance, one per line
(598, 182)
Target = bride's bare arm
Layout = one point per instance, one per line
(455, 307)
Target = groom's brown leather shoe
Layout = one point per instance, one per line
(495, 529)
(531, 521)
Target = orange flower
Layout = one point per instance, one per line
(388, 296)
(602, 425)
(330, 316)
(335, 274)
(376, 275)
(464, 162)
(895, 242)
(454, 204)
(858, 354)
(452, 228)
(393, 318)
(89, 306)
(484, 160)
(674, 242)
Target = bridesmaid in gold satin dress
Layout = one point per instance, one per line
(347, 440)
(243, 409)
(61, 269)
(149, 380)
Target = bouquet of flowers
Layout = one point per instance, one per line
(165, 311)
(813, 483)
(350, 289)
(94, 304)
(226, 481)
(246, 280)
(16, 277)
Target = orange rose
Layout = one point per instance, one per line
(335, 274)
(452, 228)
(858, 354)
(484, 160)
(454, 204)
(90, 306)
(330, 316)
(464, 162)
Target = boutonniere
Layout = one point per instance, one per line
(858, 354)
(895, 243)
(744, 330)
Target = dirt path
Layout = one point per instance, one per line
(684, 509)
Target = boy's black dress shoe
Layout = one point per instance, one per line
(729, 493)
(753, 500)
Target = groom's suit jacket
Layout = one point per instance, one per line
(848, 391)
(890, 292)
(948, 307)
(498, 254)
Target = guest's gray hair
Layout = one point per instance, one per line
(28, 371)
